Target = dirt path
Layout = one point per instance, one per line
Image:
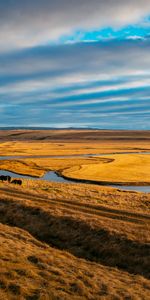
(93, 210)
(68, 225)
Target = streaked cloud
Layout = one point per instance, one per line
(75, 63)
(73, 82)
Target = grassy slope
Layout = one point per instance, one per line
(41, 272)
(108, 240)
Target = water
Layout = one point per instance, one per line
(49, 176)
(12, 157)
(15, 175)
(52, 176)
(144, 189)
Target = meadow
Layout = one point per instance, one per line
(121, 169)
(77, 240)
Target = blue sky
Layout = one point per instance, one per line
(75, 63)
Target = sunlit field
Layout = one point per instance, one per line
(122, 169)
(75, 240)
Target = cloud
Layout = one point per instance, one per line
(86, 84)
(49, 78)
(34, 22)
(55, 61)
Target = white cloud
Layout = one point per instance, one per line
(33, 22)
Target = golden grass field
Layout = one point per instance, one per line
(75, 241)
(127, 169)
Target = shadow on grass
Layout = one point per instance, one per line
(78, 237)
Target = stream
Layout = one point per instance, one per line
(52, 176)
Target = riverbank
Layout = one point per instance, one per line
(119, 171)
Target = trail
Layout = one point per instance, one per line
(87, 209)
(58, 224)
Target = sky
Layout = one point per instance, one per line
(82, 64)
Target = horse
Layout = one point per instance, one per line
(5, 178)
(17, 181)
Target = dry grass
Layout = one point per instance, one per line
(126, 169)
(73, 241)
(77, 136)
(109, 236)
(69, 142)
(38, 166)
(123, 169)
(41, 272)
(22, 167)
(88, 194)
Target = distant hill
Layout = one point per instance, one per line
(71, 135)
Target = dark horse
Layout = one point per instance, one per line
(17, 181)
(5, 178)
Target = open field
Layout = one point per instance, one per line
(69, 142)
(127, 169)
(75, 241)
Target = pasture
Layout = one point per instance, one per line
(74, 241)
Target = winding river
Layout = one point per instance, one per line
(54, 177)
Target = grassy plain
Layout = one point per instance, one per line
(74, 241)
(126, 169)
